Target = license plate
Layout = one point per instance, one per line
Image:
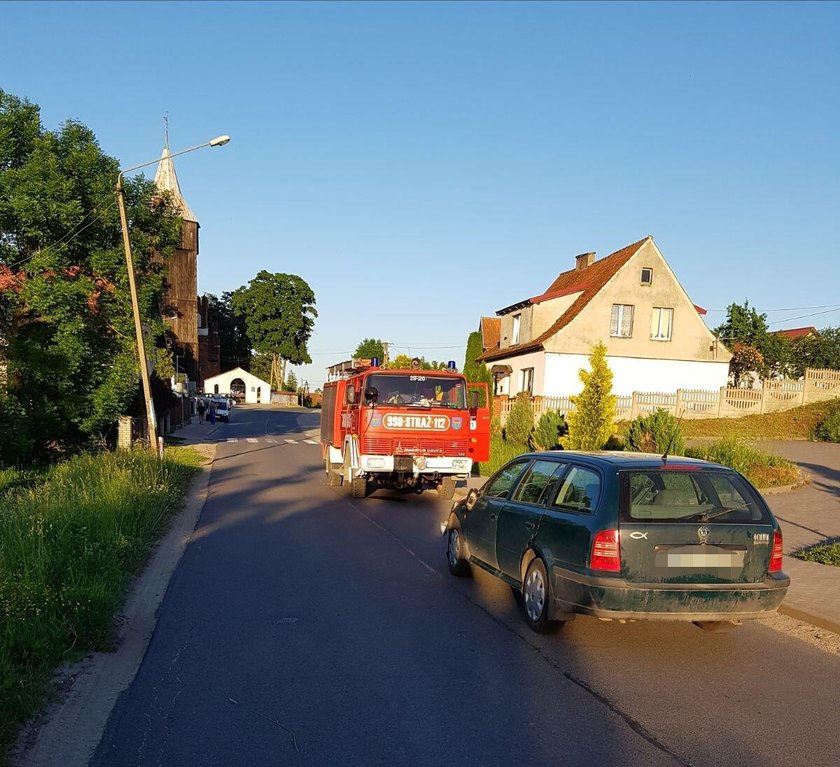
(727, 559)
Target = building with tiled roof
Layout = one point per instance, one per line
(796, 334)
(632, 301)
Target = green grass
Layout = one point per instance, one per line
(69, 544)
(501, 451)
(825, 554)
(761, 468)
(797, 423)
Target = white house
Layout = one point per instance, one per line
(256, 390)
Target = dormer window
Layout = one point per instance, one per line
(647, 275)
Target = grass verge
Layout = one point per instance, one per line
(760, 468)
(824, 553)
(69, 545)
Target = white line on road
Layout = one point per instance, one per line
(251, 439)
(233, 439)
(310, 442)
(290, 441)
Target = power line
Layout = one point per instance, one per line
(805, 316)
(788, 309)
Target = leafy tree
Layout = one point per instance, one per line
(746, 360)
(821, 351)
(591, 422)
(403, 362)
(743, 325)
(370, 348)
(279, 312)
(234, 344)
(291, 382)
(261, 366)
(65, 309)
(475, 371)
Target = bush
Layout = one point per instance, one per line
(760, 468)
(659, 432)
(551, 426)
(824, 553)
(16, 443)
(520, 421)
(828, 430)
(501, 451)
(591, 422)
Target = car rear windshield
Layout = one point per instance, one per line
(694, 495)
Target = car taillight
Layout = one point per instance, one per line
(776, 555)
(606, 554)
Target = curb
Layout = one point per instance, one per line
(808, 617)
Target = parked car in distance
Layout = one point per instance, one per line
(622, 536)
(222, 406)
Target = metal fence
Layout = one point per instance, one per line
(727, 402)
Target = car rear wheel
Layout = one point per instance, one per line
(446, 488)
(536, 598)
(456, 553)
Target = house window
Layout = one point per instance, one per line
(647, 275)
(501, 386)
(526, 380)
(515, 335)
(661, 323)
(621, 324)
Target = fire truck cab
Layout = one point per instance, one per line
(407, 429)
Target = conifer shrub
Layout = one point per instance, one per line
(520, 421)
(591, 422)
(658, 432)
(550, 428)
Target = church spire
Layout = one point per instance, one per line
(167, 181)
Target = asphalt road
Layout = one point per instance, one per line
(303, 627)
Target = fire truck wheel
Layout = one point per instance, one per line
(358, 487)
(446, 488)
(333, 476)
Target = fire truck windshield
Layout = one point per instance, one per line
(418, 390)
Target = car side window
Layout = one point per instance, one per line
(538, 477)
(579, 491)
(500, 485)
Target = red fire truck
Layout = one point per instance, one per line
(406, 429)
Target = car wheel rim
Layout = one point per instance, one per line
(454, 547)
(534, 594)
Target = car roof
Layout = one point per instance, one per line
(623, 460)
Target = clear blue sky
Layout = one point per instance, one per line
(423, 164)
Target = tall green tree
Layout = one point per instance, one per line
(279, 312)
(746, 327)
(820, 351)
(65, 310)
(234, 344)
(591, 422)
(370, 348)
(475, 370)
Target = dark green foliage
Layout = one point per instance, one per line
(658, 432)
(501, 451)
(478, 372)
(824, 553)
(279, 313)
(370, 348)
(520, 421)
(291, 382)
(234, 344)
(551, 426)
(828, 430)
(820, 351)
(65, 311)
(591, 422)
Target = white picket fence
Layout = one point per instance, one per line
(784, 394)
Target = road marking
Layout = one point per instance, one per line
(251, 439)
(290, 442)
(271, 441)
(310, 442)
(233, 439)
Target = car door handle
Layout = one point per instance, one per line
(530, 525)
(492, 516)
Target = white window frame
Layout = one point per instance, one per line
(526, 380)
(661, 323)
(514, 335)
(642, 276)
(621, 321)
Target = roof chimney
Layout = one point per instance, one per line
(583, 260)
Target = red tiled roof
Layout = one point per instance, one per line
(794, 334)
(700, 309)
(587, 282)
(491, 328)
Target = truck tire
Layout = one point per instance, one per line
(333, 477)
(446, 488)
(358, 487)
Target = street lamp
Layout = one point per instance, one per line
(138, 327)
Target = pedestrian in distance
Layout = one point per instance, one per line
(202, 409)
(211, 412)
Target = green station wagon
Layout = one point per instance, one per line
(622, 536)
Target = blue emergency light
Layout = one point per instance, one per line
(451, 365)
